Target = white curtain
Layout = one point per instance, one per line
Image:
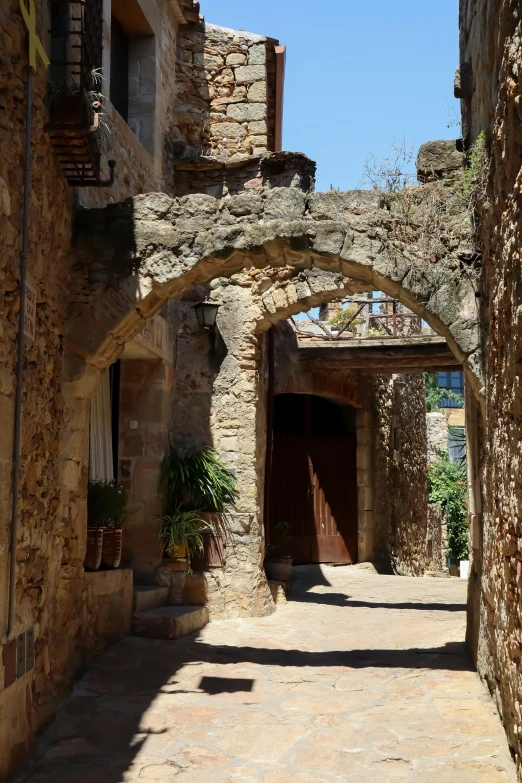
(100, 433)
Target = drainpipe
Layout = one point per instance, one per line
(17, 438)
(280, 62)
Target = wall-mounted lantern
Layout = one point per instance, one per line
(206, 313)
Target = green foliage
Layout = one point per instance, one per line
(281, 540)
(474, 177)
(92, 96)
(434, 394)
(183, 527)
(196, 479)
(343, 317)
(447, 485)
(108, 504)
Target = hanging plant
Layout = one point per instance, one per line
(68, 100)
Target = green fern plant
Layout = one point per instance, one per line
(196, 479)
(183, 529)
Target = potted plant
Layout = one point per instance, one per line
(195, 480)
(182, 534)
(74, 105)
(108, 508)
(278, 560)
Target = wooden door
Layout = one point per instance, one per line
(333, 476)
(314, 488)
(292, 496)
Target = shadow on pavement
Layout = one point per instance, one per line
(103, 725)
(340, 599)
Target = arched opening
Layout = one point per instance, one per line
(314, 478)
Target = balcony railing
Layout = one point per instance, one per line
(76, 76)
(364, 318)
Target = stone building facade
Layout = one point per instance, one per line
(490, 88)
(73, 613)
(210, 197)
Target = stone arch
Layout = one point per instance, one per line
(321, 386)
(154, 247)
(134, 256)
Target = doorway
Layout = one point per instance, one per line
(314, 477)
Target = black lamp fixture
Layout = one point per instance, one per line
(206, 313)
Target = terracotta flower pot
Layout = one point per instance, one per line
(178, 550)
(112, 548)
(213, 555)
(278, 569)
(94, 548)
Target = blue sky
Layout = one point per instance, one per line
(359, 74)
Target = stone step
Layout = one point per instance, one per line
(149, 597)
(169, 622)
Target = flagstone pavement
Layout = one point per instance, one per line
(360, 677)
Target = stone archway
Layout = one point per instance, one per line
(294, 250)
(154, 247)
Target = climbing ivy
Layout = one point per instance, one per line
(447, 485)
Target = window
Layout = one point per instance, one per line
(453, 381)
(119, 69)
(133, 70)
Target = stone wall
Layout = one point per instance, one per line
(400, 473)
(72, 613)
(220, 401)
(438, 435)
(222, 91)
(146, 387)
(491, 45)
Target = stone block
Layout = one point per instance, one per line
(247, 112)
(259, 128)
(437, 158)
(257, 92)
(228, 130)
(364, 457)
(463, 82)
(257, 55)
(236, 58)
(148, 597)
(365, 498)
(147, 80)
(247, 74)
(170, 622)
(364, 418)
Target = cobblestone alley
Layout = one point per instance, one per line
(359, 678)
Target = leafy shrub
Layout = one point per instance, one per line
(108, 504)
(196, 479)
(447, 485)
(343, 317)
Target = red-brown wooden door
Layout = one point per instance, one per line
(314, 488)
